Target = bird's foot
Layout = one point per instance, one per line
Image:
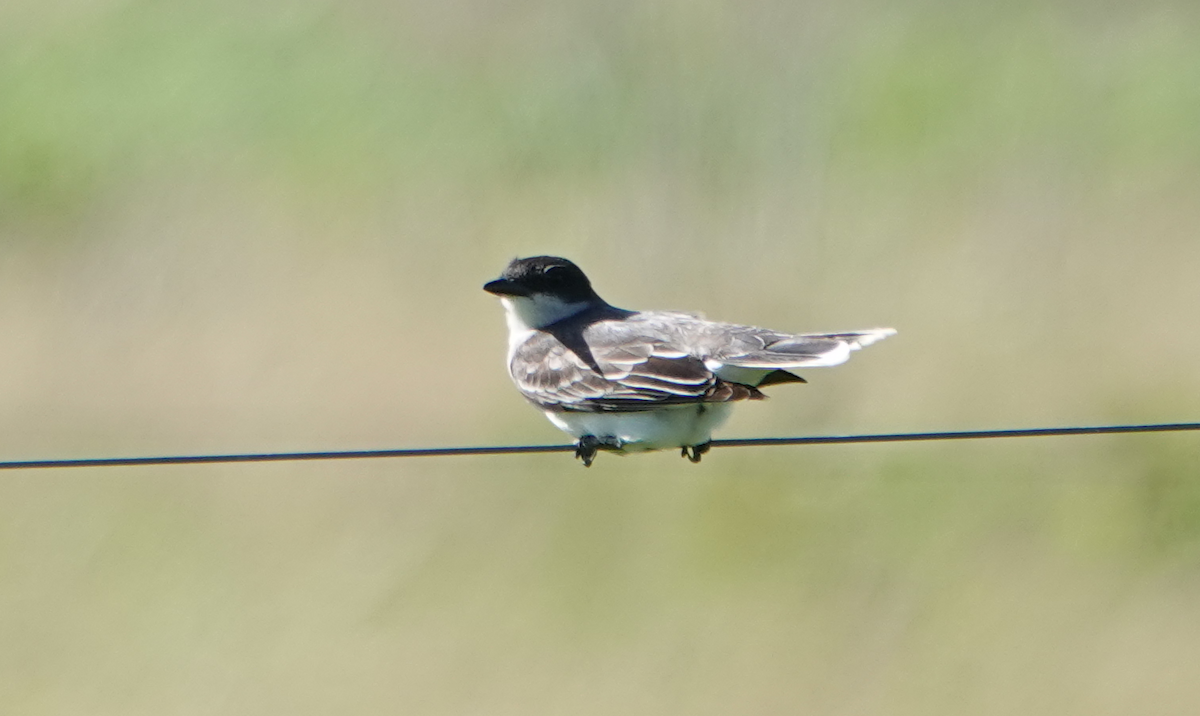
(589, 445)
(695, 452)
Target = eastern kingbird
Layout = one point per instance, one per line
(641, 380)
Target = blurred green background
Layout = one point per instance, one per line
(235, 226)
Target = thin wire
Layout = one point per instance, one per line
(516, 449)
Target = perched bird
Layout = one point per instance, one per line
(641, 380)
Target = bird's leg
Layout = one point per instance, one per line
(589, 445)
(695, 452)
(586, 449)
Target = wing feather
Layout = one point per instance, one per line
(644, 360)
(635, 372)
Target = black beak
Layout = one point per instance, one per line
(505, 287)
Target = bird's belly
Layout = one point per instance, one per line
(672, 427)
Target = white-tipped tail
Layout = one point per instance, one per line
(855, 339)
(805, 350)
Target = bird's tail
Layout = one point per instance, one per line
(808, 350)
(855, 339)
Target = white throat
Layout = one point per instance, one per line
(526, 314)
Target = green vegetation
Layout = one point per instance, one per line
(230, 226)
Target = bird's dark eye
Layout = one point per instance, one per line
(554, 271)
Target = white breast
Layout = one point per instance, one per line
(662, 428)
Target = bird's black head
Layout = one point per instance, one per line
(546, 275)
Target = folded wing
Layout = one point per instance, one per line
(653, 359)
(616, 371)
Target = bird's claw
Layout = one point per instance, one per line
(695, 452)
(589, 445)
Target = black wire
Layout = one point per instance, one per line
(514, 449)
(960, 435)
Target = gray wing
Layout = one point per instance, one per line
(652, 359)
(617, 366)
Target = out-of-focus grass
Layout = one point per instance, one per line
(721, 96)
(232, 227)
(893, 584)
